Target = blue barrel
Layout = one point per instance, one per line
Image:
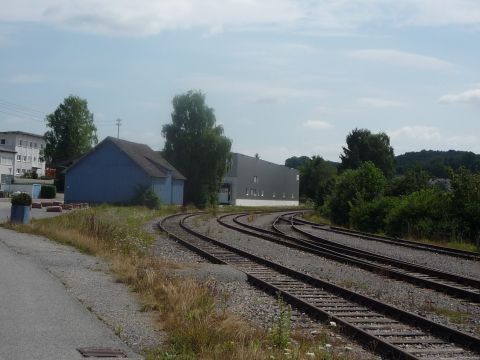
(20, 214)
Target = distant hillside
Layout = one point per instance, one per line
(437, 162)
(296, 161)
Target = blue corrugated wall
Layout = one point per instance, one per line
(110, 176)
(177, 191)
(162, 189)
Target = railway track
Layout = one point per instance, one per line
(390, 240)
(448, 283)
(382, 328)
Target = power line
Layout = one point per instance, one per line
(19, 107)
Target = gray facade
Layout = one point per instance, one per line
(255, 182)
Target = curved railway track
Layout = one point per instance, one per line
(389, 240)
(394, 333)
(449, 283)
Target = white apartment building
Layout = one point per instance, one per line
(7, 160)
(28, 149)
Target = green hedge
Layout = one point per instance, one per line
(48, 192)
(22, 199)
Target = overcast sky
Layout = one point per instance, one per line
(285, 77)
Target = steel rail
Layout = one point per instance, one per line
(455, 285)
(299, 289)
(393, 240)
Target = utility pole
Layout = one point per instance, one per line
(119, 123)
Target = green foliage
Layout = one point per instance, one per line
(72, 131)
(147, 197)
(22, 199)
(282, 325)
(362, 184)
(370, 216)
(295, 162)
(317, 179)
(437, 163)
(423, 214)
(196, 146)
(466, 202)
(363, 146)
(48, 192)
(415, 179)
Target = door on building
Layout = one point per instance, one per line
(224, 196)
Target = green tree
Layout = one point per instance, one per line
(363, 184)
(317, 179)
(72, 131)
(423, 214)
(466, 202)
(295, 162)
(196, 146)
(363, 146)
(371, 216)
(414, 179)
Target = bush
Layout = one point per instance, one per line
(362, 184)
(371, 216)
(147, 197)
(423, 214)
(22, 199)
(48, 192)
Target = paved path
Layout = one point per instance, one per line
(39, 319)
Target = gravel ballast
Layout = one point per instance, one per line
(456, 265)
(425, 302)
(241, 298)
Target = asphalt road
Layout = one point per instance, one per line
(39, 319)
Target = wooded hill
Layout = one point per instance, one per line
(437, 162)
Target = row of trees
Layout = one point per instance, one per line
(363, 193)
(194, 143)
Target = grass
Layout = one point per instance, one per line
(454, 316)
(317, 218)
(193, 313)
(459, 245)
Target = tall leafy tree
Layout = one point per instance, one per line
(317, 179)
(295, 162)
(72, 131)
(466, 202)
(363, 184)
(363, 146)
(196, 146)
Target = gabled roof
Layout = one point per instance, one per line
(22, 133)
(150, 161)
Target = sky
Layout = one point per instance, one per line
(284, 77)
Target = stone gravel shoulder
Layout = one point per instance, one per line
(89, 280)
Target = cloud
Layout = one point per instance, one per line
(400, 58)
(26, 79)
(411, 138)
(317, 124)
(426, 133)
(466, 97)
(379, 103)
(258, 92)
(147, 17)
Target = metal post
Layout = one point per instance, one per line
(119, 122)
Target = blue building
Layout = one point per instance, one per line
(114, 170)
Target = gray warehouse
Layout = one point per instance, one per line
(254, 182)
